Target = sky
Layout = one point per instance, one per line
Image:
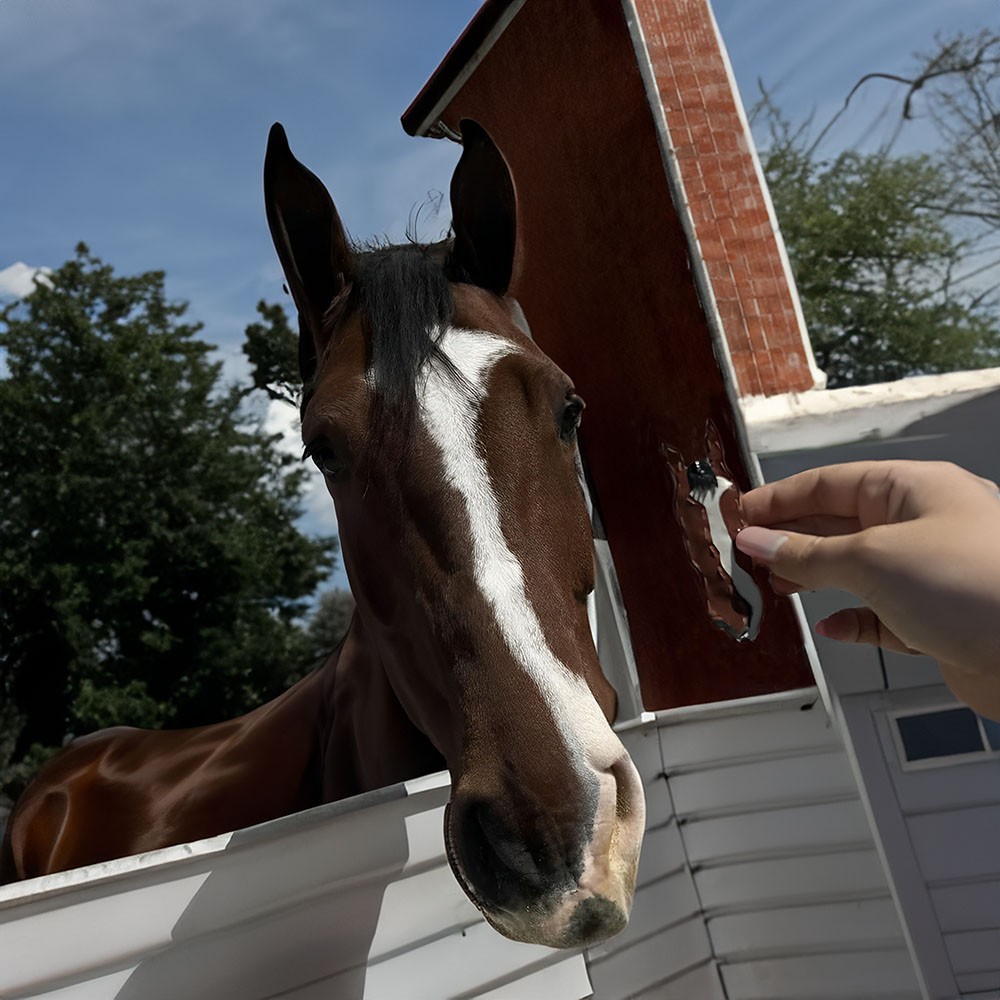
(138, 126)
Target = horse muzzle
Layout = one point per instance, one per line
(562, 876)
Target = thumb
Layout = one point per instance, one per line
(864, 626)
(810, 561)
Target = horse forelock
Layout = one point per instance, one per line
(403, 298)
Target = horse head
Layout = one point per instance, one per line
(448, 443)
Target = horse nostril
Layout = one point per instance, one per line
(497, 863)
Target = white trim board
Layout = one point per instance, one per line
(820, 418)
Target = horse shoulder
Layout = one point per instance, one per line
(47, 831)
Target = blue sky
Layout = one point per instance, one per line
(139, 126)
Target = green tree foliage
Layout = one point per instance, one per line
(271, 347)
(151, 571)
(880, 267)
(330, 619)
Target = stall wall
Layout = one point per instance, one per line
(607, 281)
(794, 895)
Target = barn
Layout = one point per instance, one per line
(820, 823)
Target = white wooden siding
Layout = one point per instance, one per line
(794, 896)
(941, 825)
(665, 951)
(758, 879)
(820, 976)
(353, 901)
(776, 882)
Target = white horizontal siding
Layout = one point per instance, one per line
(757, 883)
(756, 785)
(960, 844)
(862, 974)
(981, 984)
(669, 900)
(700, 983)
(967, 906)
(941, 830)
(474, 962)
(779, 831)
(974, 951)
(811, 928)
(664, 956)
(662, 854)
(796, 902)
(959, 855)
(665, 950)
(435, 895)
(953, 786)
(757, 871)
(643, 746)
(353, 901)
(566, 977)
(785, 730)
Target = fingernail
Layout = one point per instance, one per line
(760, 543)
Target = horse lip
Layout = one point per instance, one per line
(581, 929)
(453, 860)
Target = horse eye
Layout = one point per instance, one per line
(569, 419)
(325, 459)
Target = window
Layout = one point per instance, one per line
(946, 735)
(992, 731)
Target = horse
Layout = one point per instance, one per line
(447, 440)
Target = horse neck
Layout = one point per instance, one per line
(368, 740)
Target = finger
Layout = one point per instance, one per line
(783, 587)
(820, 524)
(861, 625)
(829, 490)
(809, 561)
(991, 486)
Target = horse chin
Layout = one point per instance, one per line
(587, 902)
(574, 918)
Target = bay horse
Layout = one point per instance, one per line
(448, 443)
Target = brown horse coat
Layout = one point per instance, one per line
(448, 441)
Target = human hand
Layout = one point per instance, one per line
(917, 542)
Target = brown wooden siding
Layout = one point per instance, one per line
(606, 283)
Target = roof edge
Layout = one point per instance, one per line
(457, 66)
(799, 421)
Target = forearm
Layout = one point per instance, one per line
(980, 690)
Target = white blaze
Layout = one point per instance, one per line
(450, 411)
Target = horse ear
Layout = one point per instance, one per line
(484, 212)
(310, 241)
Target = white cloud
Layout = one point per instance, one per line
(18, 280)
(282, 418)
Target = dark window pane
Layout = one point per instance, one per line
(992, 732)
(939, 734)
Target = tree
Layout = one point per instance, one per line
(272, 350)
(271, 347)
(151, 570)
(330, 619)
(877, 263)
(957, 88)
